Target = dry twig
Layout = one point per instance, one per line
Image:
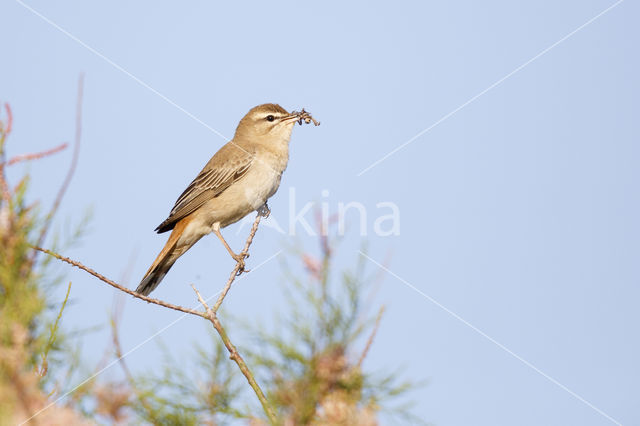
(209, 313)
(239, 266)
(236, 357)
(72, 167)
(306, 117)
(116, 316)
(120, 287)
(52, 338)
(371, 337)
(5, 129)
(36, 155)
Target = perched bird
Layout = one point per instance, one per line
(238, 179)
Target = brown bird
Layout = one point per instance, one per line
(238, 179)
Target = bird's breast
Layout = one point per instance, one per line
(249, 193)
(263, 179)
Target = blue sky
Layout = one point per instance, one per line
(518, 210)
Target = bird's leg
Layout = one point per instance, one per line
(237, 257)
(264, 210)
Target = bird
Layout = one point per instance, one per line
(237, 180)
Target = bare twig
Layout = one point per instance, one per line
(5, 129)
(371, 337)
(236, 357)
(54, 330)
(36, 155)
(306, 117)
(239, 265)
(7, 107)
(116, 316)
(209, 313)
(72, 166)
(120, 287)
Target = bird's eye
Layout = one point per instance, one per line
(270, 118)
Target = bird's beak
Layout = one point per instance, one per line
(291, 117)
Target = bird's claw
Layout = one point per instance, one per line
(239, 258)
(264, 211)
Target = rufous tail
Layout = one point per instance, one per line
(165, 260)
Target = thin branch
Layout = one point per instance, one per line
(209, 313)
(7, 107)
(4, 132)
(36, 155)
(371, 337)
(236, 270)
(120, 287)
(236, 357)
(54, 330)
(72, 167)
(116, 316)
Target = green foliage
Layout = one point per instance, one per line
(176, 397)
(311, 362)
(30, 338)
(21, 303)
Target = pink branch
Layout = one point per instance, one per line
(36, 155)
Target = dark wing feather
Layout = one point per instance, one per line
(219, 173)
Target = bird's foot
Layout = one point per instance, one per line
(264, 211)
(239, 258)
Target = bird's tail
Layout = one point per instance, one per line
(165, 260)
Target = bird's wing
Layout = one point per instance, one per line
(227, 166)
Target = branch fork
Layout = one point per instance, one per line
(209, 313)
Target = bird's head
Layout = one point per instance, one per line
(267, 122)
